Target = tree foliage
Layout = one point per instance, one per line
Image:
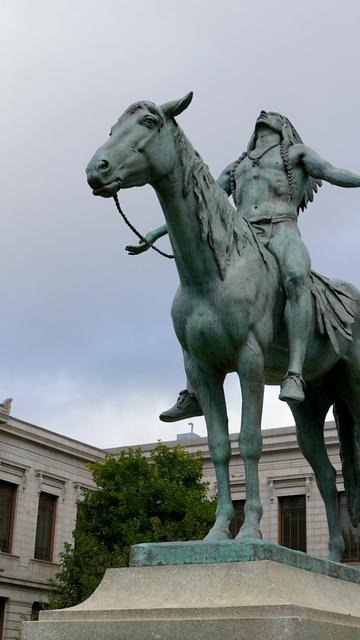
(138, 500)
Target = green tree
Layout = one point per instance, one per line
(138, 500)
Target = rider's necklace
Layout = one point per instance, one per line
(255, 161)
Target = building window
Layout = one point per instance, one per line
(2, 616)
(350, 534)
(45, 528)
(292, 522)
(239, 508)
(7, 512)
(36, 607)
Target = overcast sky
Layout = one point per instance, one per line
(87, 344)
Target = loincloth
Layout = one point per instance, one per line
(264, 227)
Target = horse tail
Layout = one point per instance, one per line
(349, 437)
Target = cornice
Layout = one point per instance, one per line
(51, 440)
(274, 440)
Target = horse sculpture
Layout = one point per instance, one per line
(227, 315)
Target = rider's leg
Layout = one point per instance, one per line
(186, 406)
(294, 263)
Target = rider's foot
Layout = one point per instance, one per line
(186, 406)
(292, 388)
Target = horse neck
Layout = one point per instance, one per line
(193, 256)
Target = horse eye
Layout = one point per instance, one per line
(149, 122)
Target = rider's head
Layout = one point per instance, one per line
(279, 124)
(288, 136)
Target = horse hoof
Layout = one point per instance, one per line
(336, 548)
(217, 535)
(336, 553)
(245, 535)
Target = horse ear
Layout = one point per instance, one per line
(175, 107)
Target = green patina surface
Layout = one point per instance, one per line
(247, 300)
(198, 552)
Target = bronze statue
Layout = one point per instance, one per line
(247, 301)
(270, 183)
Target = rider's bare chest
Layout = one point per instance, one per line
(268, 174)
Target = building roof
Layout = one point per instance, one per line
(276, 438)
(273, 439)
(50, 439)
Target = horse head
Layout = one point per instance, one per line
(140, 149)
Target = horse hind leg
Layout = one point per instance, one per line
(309, 418)
(347, 416)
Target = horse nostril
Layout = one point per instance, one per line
(103, 165)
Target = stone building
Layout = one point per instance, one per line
(294, 513)
(42, 474)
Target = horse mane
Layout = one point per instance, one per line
(225, 230)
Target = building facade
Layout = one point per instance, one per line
(43, 474)
(294, 513)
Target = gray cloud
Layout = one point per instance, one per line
(85, 329)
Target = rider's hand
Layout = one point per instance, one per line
(134, 250)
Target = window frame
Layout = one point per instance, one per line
(350, 560)
(50, 557)
(3, 602)
(281, 516)
(239, 516)
(11, 527)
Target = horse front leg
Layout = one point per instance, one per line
(251, 374)
(208, 387)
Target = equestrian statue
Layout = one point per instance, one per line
(248, 300)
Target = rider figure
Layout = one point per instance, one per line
(270, 183)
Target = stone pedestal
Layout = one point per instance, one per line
(247, 600)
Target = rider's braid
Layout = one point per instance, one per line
(284, 150)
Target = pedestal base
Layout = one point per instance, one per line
(249, 600)
(151, 554)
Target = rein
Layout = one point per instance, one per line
(149, 244)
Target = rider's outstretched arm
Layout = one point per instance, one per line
(320, 169)
(159, 232)
(152, 236)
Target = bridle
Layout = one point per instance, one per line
(149, 244)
